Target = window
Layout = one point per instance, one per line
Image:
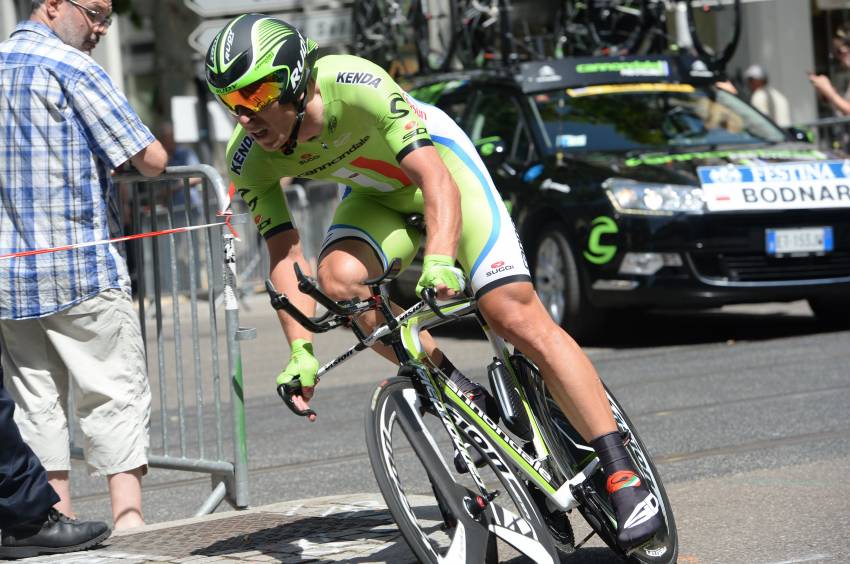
(498, 115)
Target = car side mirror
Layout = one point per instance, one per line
(797, 134)
(493, 151)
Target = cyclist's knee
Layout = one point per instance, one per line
(517, 315)
(340, 279)
(344, 266)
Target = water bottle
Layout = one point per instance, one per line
(508, 401)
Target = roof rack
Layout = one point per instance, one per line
(462, 35)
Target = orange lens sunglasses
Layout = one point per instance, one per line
(253, 97)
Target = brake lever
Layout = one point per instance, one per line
(429, 296)
(286, 391)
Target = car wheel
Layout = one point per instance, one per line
(558, 283)
(833, 312)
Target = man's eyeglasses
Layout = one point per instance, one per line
(95, 16)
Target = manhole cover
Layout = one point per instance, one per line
(250, 531)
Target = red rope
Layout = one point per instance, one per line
(120, 239)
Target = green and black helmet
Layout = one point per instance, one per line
(256, 59)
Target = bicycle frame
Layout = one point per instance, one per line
(419, 318)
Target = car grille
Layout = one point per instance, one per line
(732, 267)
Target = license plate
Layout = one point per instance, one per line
(799, 241)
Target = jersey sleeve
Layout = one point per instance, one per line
(260, 190)
(397, 116)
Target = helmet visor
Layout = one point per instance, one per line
(253, 97)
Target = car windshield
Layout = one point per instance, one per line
(653, 117)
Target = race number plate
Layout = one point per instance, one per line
(799, 241)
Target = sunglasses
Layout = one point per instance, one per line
(254, 97)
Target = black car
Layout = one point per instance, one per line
(635, 182)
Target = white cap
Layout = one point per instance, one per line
(755, 72)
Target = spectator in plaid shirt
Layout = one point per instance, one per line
(67, 320)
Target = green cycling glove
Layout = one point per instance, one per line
(440, 269)
(302, 366)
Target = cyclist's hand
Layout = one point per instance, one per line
(299, 378)
(439, 272)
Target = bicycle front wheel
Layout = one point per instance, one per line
(571, 453)
(439, 511)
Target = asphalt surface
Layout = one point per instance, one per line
(744, 408)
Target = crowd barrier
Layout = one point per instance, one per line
(181, 282)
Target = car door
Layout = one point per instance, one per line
(496, 116)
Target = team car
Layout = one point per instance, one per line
(635, 182)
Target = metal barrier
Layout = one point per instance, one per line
(173, 273)
(829, 133)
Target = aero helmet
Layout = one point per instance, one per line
(255, 50)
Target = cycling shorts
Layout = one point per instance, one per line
(489, 250)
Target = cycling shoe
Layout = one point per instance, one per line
(638, 510)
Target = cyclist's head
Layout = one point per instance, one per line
(256, 60)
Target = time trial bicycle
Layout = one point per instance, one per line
(526, 468)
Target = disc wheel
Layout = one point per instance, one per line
(571, 454)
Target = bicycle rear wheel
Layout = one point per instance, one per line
(383, 33)
(617, 26)
(715, 59)
(434, 32)
(571, 453)
(372, 33)
(436, 508)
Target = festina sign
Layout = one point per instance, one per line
(215, 8)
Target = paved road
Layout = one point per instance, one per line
(745, 409)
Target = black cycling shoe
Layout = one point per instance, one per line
(482, 399)
(54, 534)
(477, 393)
(478, 459)
(638, 510)
(485, 402)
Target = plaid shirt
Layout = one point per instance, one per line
(63, 127)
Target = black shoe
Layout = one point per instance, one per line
(638, 510)
(485, 402)
(477, 393)
(477, 458)
(56, 533)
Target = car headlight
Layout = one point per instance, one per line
(630, 196)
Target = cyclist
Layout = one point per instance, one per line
(344, 119)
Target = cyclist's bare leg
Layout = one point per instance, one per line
(515, 313)
(342, 269)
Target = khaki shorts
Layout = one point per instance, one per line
(98, 344)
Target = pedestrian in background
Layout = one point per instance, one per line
(767, 99)
(67, 321)
(181, 155)
(823, 85)
(29, 524)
